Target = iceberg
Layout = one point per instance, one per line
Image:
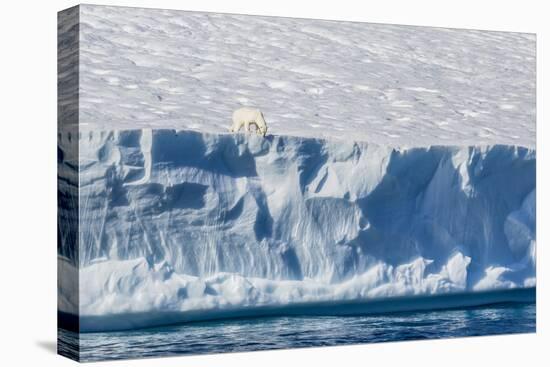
(182, 225)
(398, 172)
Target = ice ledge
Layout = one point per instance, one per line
(130, 321)
(92, 131)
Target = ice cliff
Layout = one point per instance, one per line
(180, 221)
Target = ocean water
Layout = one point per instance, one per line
(249, 334)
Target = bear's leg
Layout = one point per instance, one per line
(259, 130)
(252, 123)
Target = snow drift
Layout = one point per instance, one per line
(180, 225)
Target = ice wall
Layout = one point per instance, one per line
(179, 221)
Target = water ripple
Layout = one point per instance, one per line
(240, 335)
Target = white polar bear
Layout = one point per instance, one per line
(247, 116)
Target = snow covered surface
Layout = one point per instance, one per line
(389, 84)
(399, 162)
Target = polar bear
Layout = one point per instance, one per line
(247, 116)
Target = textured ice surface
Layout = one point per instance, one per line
(187, 221)
(390, 84)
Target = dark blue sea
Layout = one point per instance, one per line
(249, 334)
